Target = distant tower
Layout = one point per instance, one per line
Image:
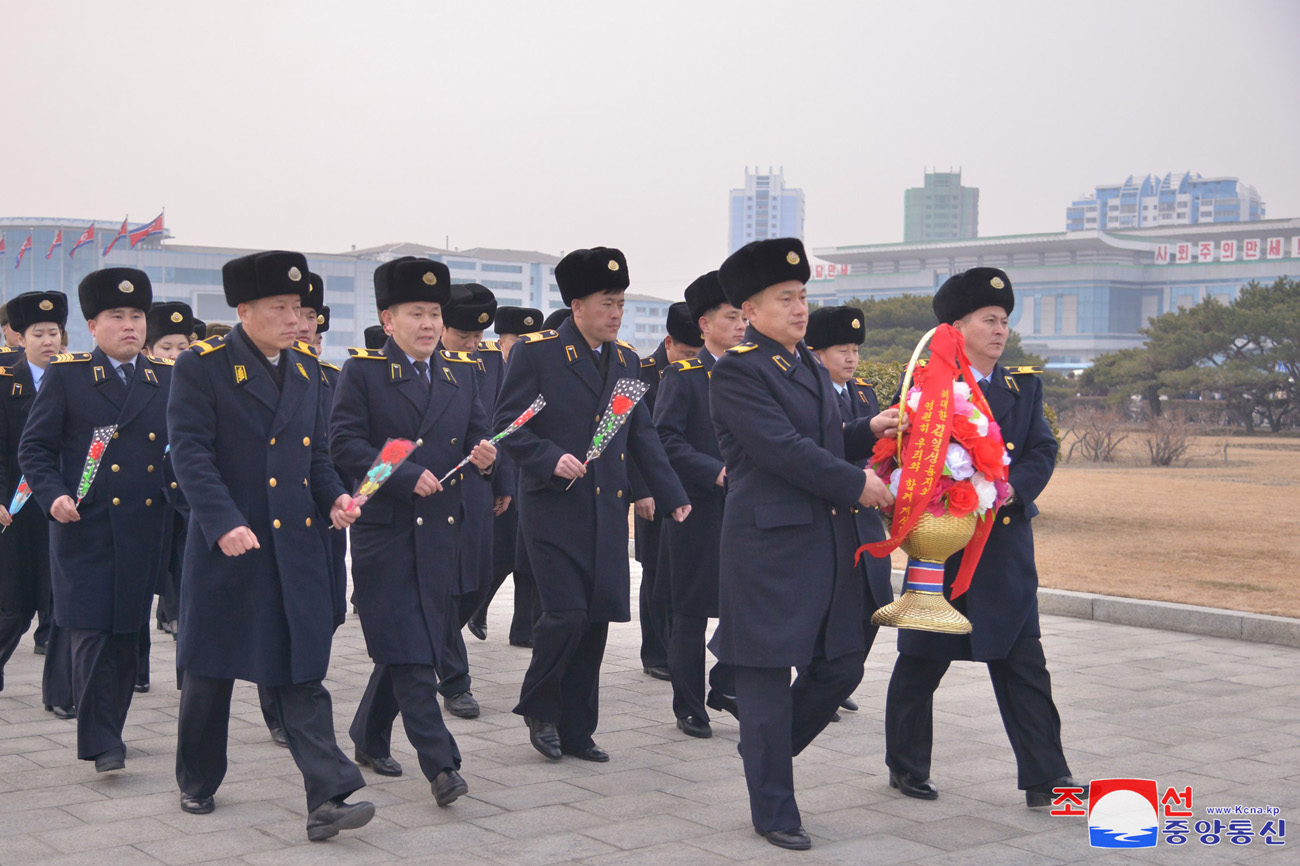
(765, 208)
(942, 210)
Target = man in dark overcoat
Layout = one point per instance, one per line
(689, 554)
(105, 547)
(407, 546)
(1002, 601)
(511, 323)
(249, 448)
(576, 535)
(788, 593)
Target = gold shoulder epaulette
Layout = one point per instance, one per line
(742, 348)
(70, 357)
(687, 364)
(648, 362)
(1023, 371)
(538, 336)
(305, 348)
(207, 347)
(626, 345)
(4, 371)
(459, 357)
(166, 362)
(367, 354)
(9, 350)
(489, 346)
(863, 382)
(333, 367)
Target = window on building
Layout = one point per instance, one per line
(502, 269)
(461, 265)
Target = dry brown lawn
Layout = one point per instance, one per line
(1210, 532)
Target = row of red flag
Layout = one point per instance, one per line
(153, 227)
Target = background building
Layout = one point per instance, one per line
(182, 272)
(1177, 199)
(1079, 294)
(765, 208)
(941, 210)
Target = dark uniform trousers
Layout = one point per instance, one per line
(1023, 689)
(651, 611)
(562, 685)
(686, 662)
(103, 675)
(308, 727)
(412, 691)
(56, 680)
(521, 621)
(453, 658)
(778, 721)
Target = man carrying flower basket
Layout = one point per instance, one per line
(1001, 602)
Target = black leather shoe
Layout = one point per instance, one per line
(382, 766)
(526, 644)
(462, 706)
(63, 712)
(723, 703)
(795, 839)
(592, 753)
(141, 688)
(197, 805)
(478, 629)
(849, 704)
(835, 717)
(447, 786)
(692, 726)
(1041, 796)
(921, 790)
(39, 649)
(326, 820)
(113, 759)
(659, 672)
(278, 737)
(545, 738)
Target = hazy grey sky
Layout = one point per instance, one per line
(555, 125)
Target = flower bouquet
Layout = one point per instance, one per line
(948, 473)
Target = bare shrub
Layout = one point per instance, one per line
(1167, 438)
(1095, 433)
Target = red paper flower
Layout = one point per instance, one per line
(962, 499)
(395, 451)
(621, 404)
(964, 431)
(885, 449)
(96, 450)
(986, 454)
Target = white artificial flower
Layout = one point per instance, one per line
(961, 389)
(987, 492)
(914, 400)
(958, 462)
(893, 481)
(981, 422)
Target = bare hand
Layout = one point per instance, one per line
(499, 505)
(570, 467)
(721, 480)
(875, 493)
(343, 513)
(5, 517)
(64, 510)
(427, 484)
(681, 513)
(885, 424)
(645, 508)
(483, 455)
(238, 541)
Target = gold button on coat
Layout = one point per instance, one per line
(309, 521)
(453, 440)
(173, 485)
(150, 467)
(451, 520)
(1006, 520)
(275, 523)
(272, 482)
(1011, 446)
(116, 501)
(419, 521)
(148, 502)
(620, 494)
(272, 440)
(597, 491)
(306, 440)
(114, 434)
(115, 468)
(152, 437)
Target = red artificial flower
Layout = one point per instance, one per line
(986, 454)
(962, 499)
(964, 431)
(96, 450)
(622, 404)
(395, 451)
(885, 449)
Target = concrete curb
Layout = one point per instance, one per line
(1167, 615)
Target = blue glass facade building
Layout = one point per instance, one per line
(1176, 199)
(764, 208)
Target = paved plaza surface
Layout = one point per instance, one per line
(1215, 714)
